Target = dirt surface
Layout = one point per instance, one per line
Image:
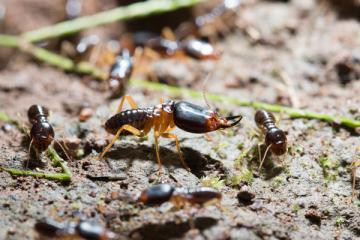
(297, 52)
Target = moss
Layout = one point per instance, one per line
(214, 182)
(339, 221)
(329, 167)
(295, 208)
(246, 176)
(240, 146)
(220, 146)
(277, 182)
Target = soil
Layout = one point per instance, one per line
(299, 53)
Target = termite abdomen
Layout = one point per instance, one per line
(133, 117)
(157, 194)
(120, 73)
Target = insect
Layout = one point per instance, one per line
(275, 138)
(194, 48)
(218, 21)
(41, 133)
(161, 193)
(72, 230)
(120, 73)
(163, 118)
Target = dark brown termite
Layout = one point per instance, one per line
(161, 193)
(218, 21)
(275, 138)
(41, 133)
(120, 73)
(194, 48)
(163, 118)
(72, 230)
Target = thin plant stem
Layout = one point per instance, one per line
(291, 112)
(136, 10)
(65, 176)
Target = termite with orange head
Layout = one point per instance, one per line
(163, 118)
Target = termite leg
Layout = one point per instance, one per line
(126, 127)
(173, 136)
(259, 150)
(157, 149)
(130, 100)
(27, 162)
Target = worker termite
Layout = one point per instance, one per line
(72, 230)
(163, 118)
(219, 21)
(161, 193)
(120, 73)
(41, 133)
(275, 138)
(194, 48)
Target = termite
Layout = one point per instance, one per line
(41, 133)
(81, 230)
(194, 48)
(163, 118)
(120, 73)
(161, 193)
(218, 21)
(275, 138)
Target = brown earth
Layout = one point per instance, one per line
(290, 52)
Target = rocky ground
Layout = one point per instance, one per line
(299, 53)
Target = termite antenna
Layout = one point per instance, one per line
(263, 159)
(63, 148)
(27, 162)
(203, 91)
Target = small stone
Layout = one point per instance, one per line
(314, 216)
(92, 194)
(85, 114)
(245, 195)
(114, 195)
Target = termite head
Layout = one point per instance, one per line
(42, 135)
(277, 138)
(157, 194)
(195, 119)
